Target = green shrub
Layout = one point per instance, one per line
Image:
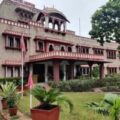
(15, 80)
(74, 85)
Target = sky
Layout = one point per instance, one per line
(78, 12)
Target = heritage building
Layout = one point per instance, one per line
(52, 51)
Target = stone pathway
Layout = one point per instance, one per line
(19, 116)
(97, 90)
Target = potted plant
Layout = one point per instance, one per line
(50, 101)
(12, 101)
(5, 89)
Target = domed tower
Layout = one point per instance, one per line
(52, 19)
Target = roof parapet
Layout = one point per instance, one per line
(28, 4)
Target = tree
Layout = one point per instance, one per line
(106, 23)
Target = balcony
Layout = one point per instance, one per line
(66, 56)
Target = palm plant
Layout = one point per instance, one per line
(7, 88)
(110, 105)
(50, 97)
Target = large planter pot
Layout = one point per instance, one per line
(38, 113)
(4, 103)
(13, 111)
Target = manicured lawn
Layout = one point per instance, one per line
(79, 100)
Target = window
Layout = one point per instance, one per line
(40, 46)
(84, 70)
(98, 51)
(62, 48)
(10, 41)
(84, 50)
(13, 42)
(111, 54)
(12, 71)
(17, 72)
(69, 49)
(51, 48)
(112, 70)
(17, 43)
(9, 71)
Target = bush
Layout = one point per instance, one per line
(110, 82)
(74, 85)
(15, 80)
(3, 80)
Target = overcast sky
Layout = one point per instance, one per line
(73, 10)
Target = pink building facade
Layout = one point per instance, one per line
(52, 51)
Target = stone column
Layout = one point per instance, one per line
(101, 70)
(64, 27)
(14, 72)
(75, 71)
(53, 23)
(56, 71)
(46, 22)
(71, 70)
(90, 66)
(64, 71)
(46, 72)
(59, 25)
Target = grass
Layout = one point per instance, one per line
(79, 100)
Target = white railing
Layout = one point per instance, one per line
(66, 55)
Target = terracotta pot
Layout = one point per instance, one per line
(13, 111)
(40, 114)
(4, 103)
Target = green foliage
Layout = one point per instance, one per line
(7, 88)
(51, 96)
(13, 97)
(95, 72)
(3, 80)
(106, 22)
(75, 85)
(109, 105)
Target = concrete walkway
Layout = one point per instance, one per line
(19, 116)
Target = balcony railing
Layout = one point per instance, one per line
(65, 56)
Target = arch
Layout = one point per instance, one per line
(51, 48)
(40, 16)
(51, 25)
(56, 27)
(62, 27)
(69, 49)
(62, 48)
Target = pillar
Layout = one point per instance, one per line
(75, 71)
(90, 66)
(59, 25)
(64, 71)
(101, 70)
(14, 72)
(46, 21)
(56, 71)
(64, 27)
(46, 72)
(71, 70)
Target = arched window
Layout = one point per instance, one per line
(56, 27)
(62, 48)
(50, 25)
(69, 49)
(62, 27)
(51, 48)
